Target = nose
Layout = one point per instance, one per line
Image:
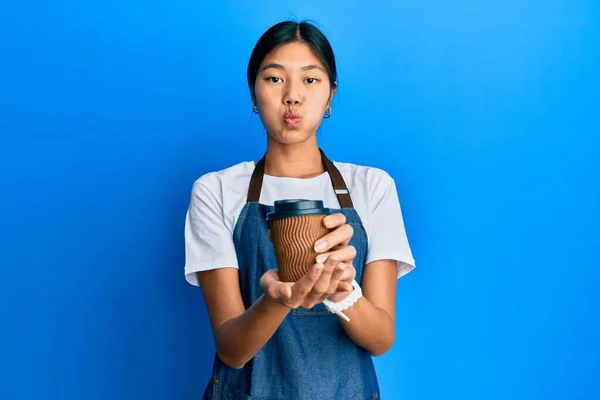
(292, 94)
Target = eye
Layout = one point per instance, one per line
(310, 81)
(273, 79)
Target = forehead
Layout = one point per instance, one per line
(293, 55)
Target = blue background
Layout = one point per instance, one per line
(485, 113)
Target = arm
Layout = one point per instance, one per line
(372, 317)
(239, 334)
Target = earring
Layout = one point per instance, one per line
(255, 109)
(327, 113)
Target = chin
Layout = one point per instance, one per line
(291, 136)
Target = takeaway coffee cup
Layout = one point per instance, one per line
(295, 227)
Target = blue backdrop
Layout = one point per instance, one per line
(485, 113)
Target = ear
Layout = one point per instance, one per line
(331, 94)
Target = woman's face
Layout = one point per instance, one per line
(292, 92)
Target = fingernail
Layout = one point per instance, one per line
(320, 245)
(321, 258)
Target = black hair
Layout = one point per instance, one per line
(288, 32)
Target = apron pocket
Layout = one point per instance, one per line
(223, 392)
(319, 309)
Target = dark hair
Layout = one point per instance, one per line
(288, 32)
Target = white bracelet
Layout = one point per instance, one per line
(340, 306)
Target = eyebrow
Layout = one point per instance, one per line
(282, 68)
(309, 67)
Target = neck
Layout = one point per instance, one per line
(300, 160)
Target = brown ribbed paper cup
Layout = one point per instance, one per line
(295, 227)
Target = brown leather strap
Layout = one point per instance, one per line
(256, 182)
(339, 185)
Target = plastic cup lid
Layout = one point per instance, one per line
(297, 207)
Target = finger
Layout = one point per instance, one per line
(278, 291)
(345, 287)
(334, 220)
(322, 285)
(335, 278)
(349, 274)
(341, 235)
(343, 292)
(302, 287)
(344, 254)
(311, 299)
(268, 279)
(284, 291)
(341, 245)
(273, 291)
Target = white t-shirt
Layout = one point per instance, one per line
(218, 197)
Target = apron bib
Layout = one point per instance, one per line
(310, 356)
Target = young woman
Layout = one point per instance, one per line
(278, 340)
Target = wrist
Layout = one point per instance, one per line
(273, 304)
(341, 295)
(336, 298)
(337, 307)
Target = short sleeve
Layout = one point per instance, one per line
(208, 240)
(386, 233)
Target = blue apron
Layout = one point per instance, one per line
(310, 356)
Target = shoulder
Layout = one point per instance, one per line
(366, 176)
(229, 177)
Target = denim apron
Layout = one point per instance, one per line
(310, 356)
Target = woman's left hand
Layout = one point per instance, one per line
(335, 251)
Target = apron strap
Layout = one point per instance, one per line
(256, 182)
(339, 185)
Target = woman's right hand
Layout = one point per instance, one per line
(319, 283)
